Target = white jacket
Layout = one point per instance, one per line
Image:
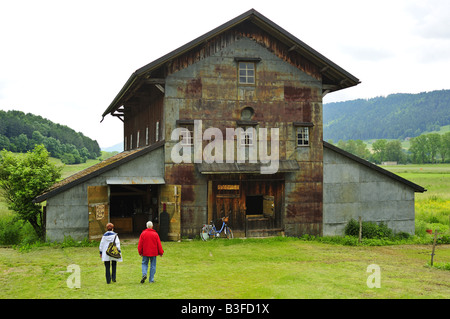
(108, 238)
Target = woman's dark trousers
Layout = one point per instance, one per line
(110, 275)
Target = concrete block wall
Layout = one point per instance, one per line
(67, 212)
(352, 189)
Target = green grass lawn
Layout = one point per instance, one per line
(253, 268)
(277, 268)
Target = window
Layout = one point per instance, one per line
(185, 131)
(146, 135)
(187, 135)
(137, 139)
(157, 132)
(246, 73)
(247, 136)
(247, 113)
(302, 136)
(254, 204)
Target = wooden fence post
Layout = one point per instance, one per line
(360, 229)
(434, 245)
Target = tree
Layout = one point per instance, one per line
(4, 142)
(445, 146)
(21, 143)
(379, 149)
(22, 178)
(434, 144)
(419, 149)
(394, 151)
(24, 131)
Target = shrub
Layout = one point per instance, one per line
(352, 228)
(15, 232)
(442, 266)
(10, 232)
(369, 229)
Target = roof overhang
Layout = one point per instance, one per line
(284, 166)
(415, 187)
(337, 77)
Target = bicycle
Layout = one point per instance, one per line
(210, 231)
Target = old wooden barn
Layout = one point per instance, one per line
(248, 73)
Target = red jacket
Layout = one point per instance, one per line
(149, 243)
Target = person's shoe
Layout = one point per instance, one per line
(143, 279)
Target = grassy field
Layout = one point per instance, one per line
(252, 268)
(434, 177)
(433, 206)
(277, 268)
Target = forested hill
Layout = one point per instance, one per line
(20, 132)
(396, 116)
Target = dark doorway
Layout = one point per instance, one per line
(132, 206)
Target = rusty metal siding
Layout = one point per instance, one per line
(203, 86)
(250, 31)
(193, 196)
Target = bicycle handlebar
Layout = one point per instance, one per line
(224, 219)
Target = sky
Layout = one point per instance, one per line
(67, 60)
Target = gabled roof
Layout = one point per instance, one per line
(338, 78)
(95, 170)
(417, 188)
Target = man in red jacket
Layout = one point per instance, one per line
(149, 247)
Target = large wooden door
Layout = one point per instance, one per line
(98, 207)
(170, 196)
(227, 203)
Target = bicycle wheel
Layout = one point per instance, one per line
(205, 232)
(228, 232)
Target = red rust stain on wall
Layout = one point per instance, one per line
(297, 94)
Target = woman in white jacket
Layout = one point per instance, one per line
(110, 262)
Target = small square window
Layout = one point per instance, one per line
(246, 73)
(302, 136)
(247, 136)
(187, 136)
